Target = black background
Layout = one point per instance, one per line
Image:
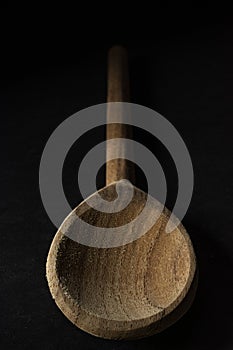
(181, 66)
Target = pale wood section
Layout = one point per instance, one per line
(126, 292)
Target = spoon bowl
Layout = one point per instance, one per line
(128, 291)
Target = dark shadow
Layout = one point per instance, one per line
(140, 80)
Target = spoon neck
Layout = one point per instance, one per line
(118, 167)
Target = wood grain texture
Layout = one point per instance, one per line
(126, 292)
(133, 290)
(118, 91)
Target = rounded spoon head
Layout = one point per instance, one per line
(122, 291)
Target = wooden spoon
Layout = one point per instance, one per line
(129, 291)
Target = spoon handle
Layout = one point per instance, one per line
(118, 91)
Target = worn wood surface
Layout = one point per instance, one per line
(125, 292)
(133, 290)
